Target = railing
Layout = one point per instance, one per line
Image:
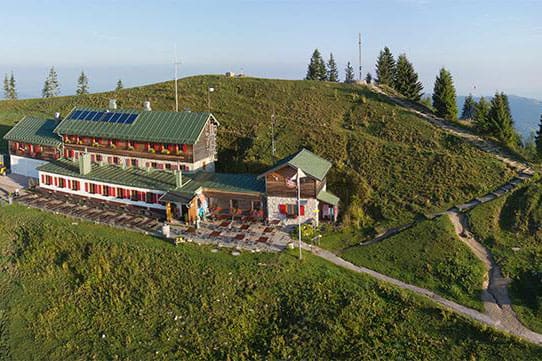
(188, 158)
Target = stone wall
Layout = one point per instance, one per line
(311, 209)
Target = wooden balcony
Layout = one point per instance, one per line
(34, 155)
(185, 158)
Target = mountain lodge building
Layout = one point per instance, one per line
(164, 161)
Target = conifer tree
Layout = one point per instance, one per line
(385, 67)
(82, 84)
(51, 86)
(406, 79)
(538, 138)
(349, 73)
(12, 87)
(481, 111)
(469, 108)
(317, 68)
(500, 122)
(6, 87)
(444, 99)
(368, 78)
(119, 86)
(332, 72)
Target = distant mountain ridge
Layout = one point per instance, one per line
(525, 111)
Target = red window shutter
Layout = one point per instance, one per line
(282, 209)
(42, 178)
(142, 196)
(302, 210)
(99, 188)
(112, 192)
(72, 153)
(86, 187)
(56, 181)
(92, 158)
(185, 148)
(69, 184)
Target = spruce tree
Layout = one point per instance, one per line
(368, 78)
(82, 84)
(12, 87)
(385, 67)
(406, 79)
(6, 87)
(480, 116)
(332, 72)
(119, 86)
(469, 108)
(317, 68)
(51, 86)
(500, 122)
(444, 99)
(538, 138)
(349, 73)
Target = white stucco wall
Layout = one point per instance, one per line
(25, 166)
(311, 209)
(82, 192)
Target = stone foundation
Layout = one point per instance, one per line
(273, 213)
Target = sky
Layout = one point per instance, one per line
(490, 45)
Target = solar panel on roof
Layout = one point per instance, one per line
(123, 118)
(115, 118)
(131, 118)
(107, 117)
(75, 114)
(83, 114)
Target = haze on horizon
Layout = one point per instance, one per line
(487, 46)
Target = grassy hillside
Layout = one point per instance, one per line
(511, 228)
(392, 163)
(428, 255)
(70, 290)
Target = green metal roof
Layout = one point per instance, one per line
(305, 160)
(149, 126)
(34, 130)
(159, 179)
(328, 197)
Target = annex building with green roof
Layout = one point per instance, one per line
(165, 161)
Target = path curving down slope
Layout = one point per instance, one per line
(497, 303)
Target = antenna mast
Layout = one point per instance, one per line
(273, 135)
(175, 63)
(359, 43)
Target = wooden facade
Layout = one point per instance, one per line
(281, 183)
(35, 151)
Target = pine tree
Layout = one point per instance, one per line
(538, 138)
(51, 86)
(317, 68)
(444, 100)
(82, 84)
(368, 78)
(6, 87)
(385, 67)
(332, 72)
(479, 118)
(469, 108)
(499, 119)
(119, 86)
(348, 73)
(406, 79)
(12, 87)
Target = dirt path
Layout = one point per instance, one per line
(502, 323)
(495, 296)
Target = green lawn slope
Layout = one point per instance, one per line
(73, 291)
(391, 162)
(428, 255)
(511, 228)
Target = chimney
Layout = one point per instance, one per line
(112, 104)
(85, 165)
(178, 178)
(147, 105)
(57, 116)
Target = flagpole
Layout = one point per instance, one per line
(299, 210)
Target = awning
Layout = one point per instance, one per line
(177, 197)
(328, 197)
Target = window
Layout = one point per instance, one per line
(99, 158)
(134, 196)
(256, 205)
(105, 191)
(134, 162)
(76, 185)
(61, 183)
(116, 160)
(168, 166)
(291, 209)
(234, 203)
(120, 193)
(154, 165)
